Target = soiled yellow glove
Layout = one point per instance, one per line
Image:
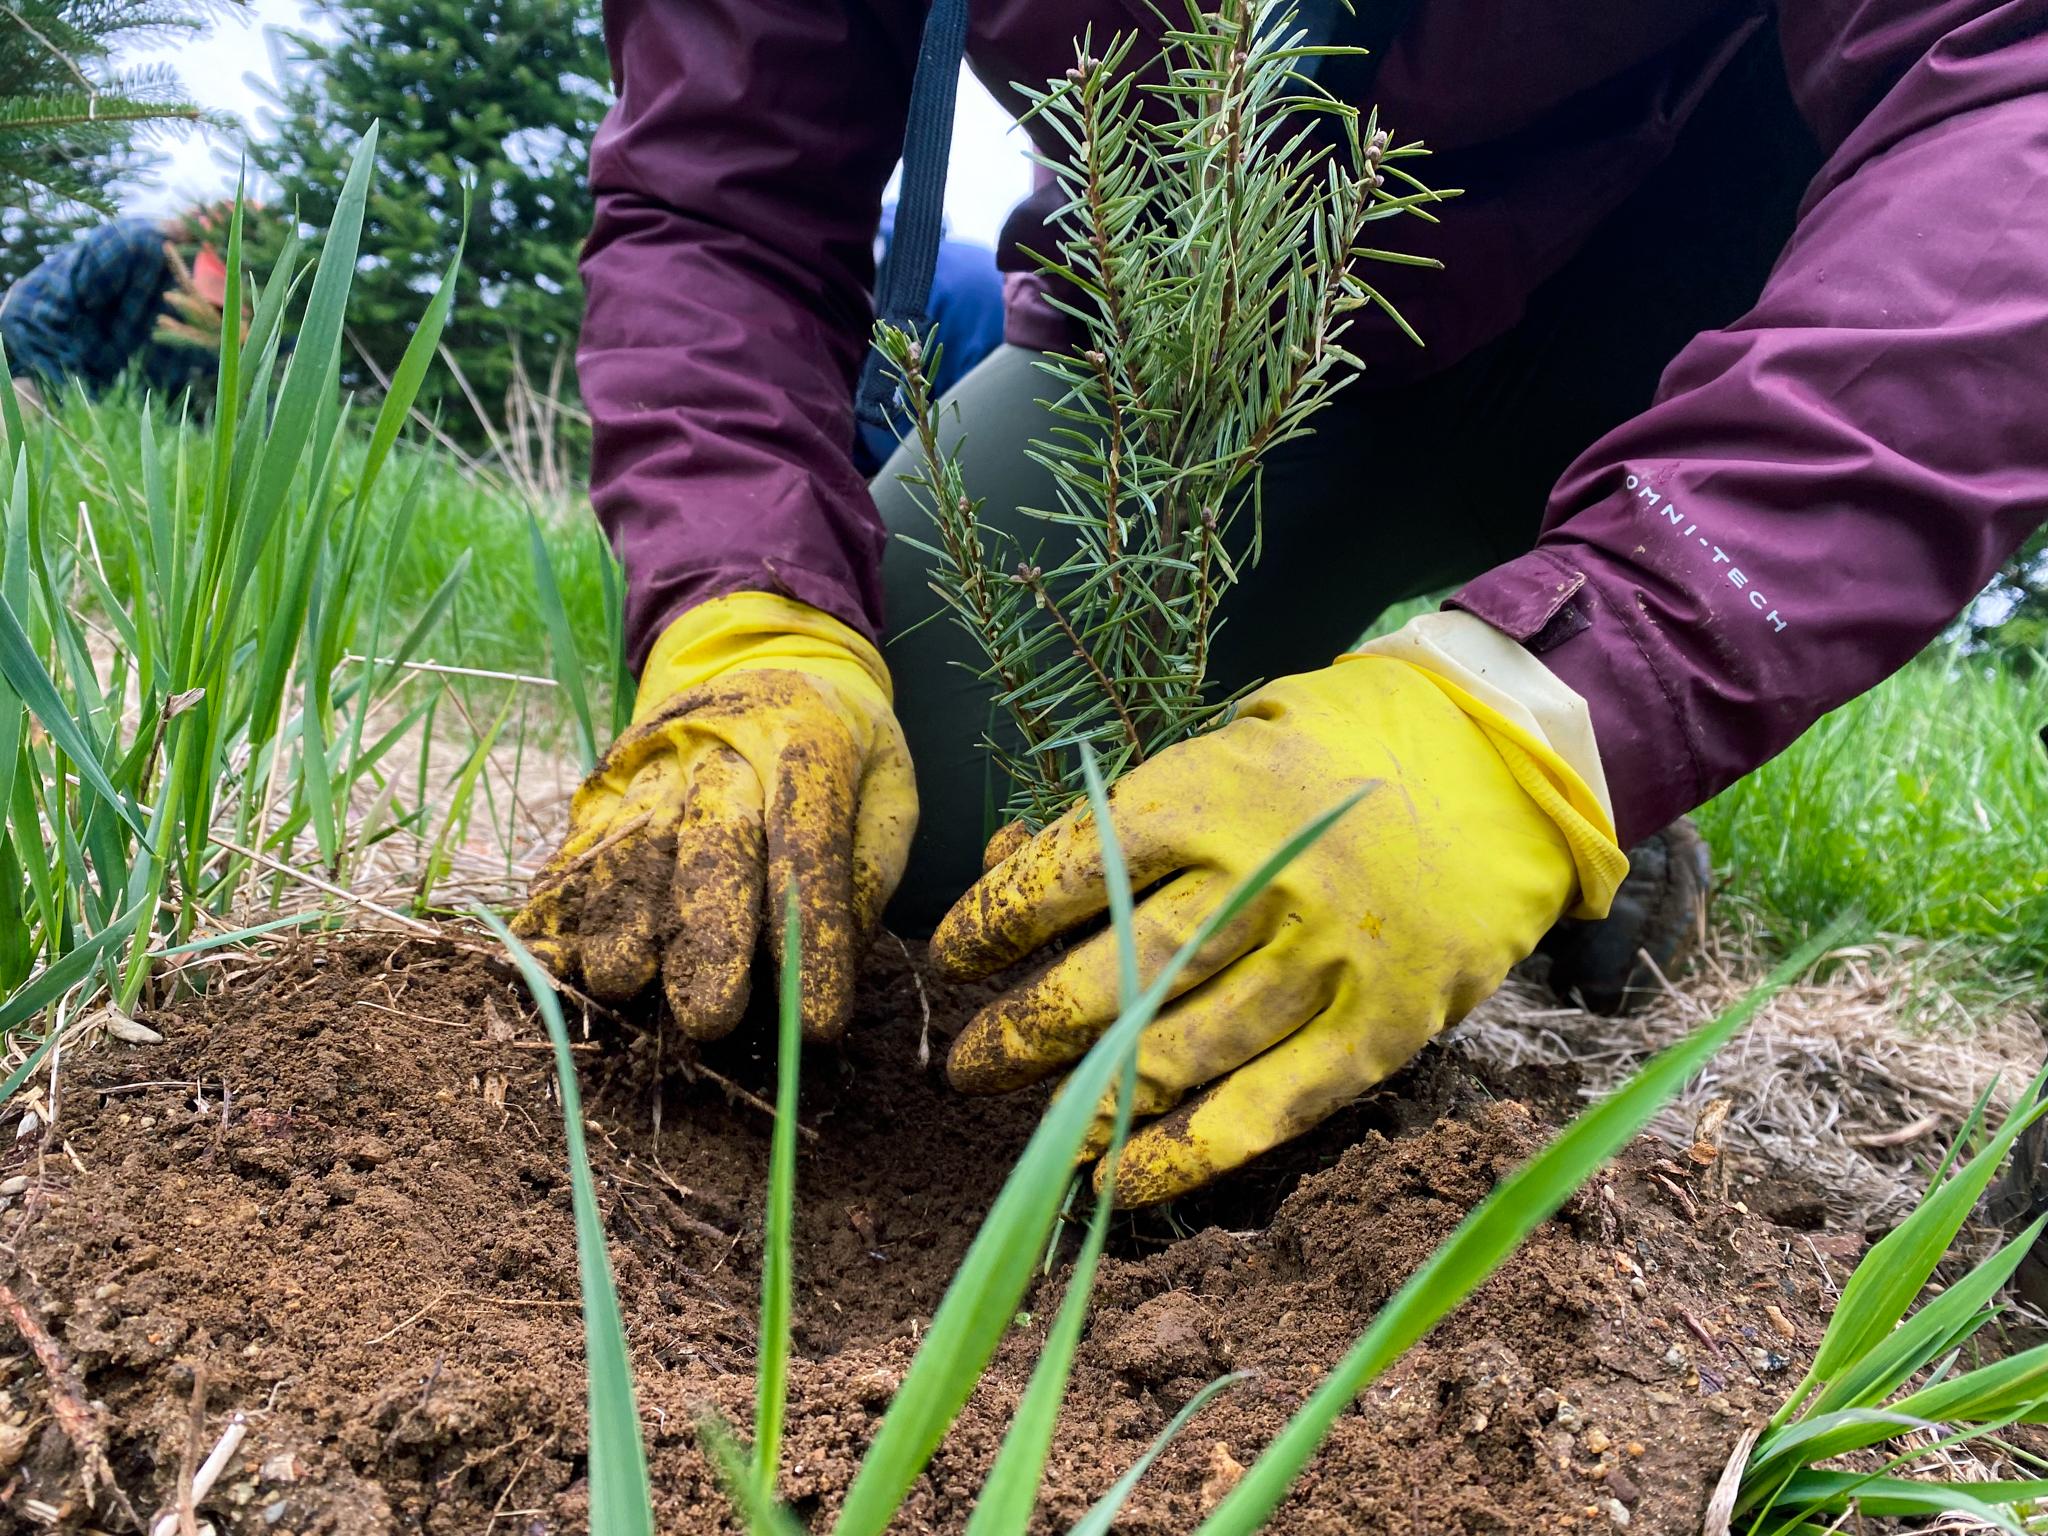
(1474, 837)
(763, 750)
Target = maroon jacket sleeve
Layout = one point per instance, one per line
(738, 182)
(1822, 486)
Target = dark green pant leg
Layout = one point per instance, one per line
(945, 709)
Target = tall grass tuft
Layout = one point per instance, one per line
(179, 713)
(1921, 803)
(1857, 1394)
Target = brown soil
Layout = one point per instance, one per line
(337, 1195)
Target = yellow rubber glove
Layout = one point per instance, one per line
(1473, 838)
(763, 750)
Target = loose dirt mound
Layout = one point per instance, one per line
(337, 1195)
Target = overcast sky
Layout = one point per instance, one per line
(988, 172)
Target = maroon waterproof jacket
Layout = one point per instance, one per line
(1816, 491)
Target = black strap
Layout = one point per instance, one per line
(903, 288)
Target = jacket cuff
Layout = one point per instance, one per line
(678, 594)
(1573, 616)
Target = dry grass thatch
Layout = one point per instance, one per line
(1852, 1082)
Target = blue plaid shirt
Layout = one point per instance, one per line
(90, 310)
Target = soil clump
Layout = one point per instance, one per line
(334, 1202)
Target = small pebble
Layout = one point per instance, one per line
(1635, 1447)
(1616, 1511)
(1597, 1441)
(121, 1027)
(15, 1185)
(272, 1513)
(1568, 1416)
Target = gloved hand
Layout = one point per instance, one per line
(763, 751)
(1474, 837)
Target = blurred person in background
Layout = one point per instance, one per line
(133, 293)
(966, 307)
(1730, 402)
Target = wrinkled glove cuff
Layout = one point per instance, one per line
(751, 631)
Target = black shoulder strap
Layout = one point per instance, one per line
(903, 287)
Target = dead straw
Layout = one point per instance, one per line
(1850, 1083)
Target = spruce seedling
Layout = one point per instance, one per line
(1209, 248)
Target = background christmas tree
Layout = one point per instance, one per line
(71, 119)
(504, 93)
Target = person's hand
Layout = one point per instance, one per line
(763, 753)
(1472, 838)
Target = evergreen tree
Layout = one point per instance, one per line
(70, 118)
(504, 94)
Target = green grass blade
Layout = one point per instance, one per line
(228, 372)
(430, 615)
(992, 1278)
(15, 429)
(771, 1381)
(455, 824)
(761, 1514)
(611, 582)
(24, 672)
(562, 640)
(1485, 1239)
(1897, 1266)
(1928, 1334)
(1836, 1492)
(54, 981)
(315, 770)
(243, 935)
(621, 1503)
(1104, 1510)
(1816, 1438)
(1011, 1491)
(1116, 877)
(1964, 1132)
(2001, 1390)
(411, 371)
(310, 377)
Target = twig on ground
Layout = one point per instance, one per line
(307, 877)
(734, 1090)
(68, 1405)
(443, 669)
(513, 1302)
(216, 1463)
(186, 1513)
(924, 1005)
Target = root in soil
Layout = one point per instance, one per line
(342, 1201)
